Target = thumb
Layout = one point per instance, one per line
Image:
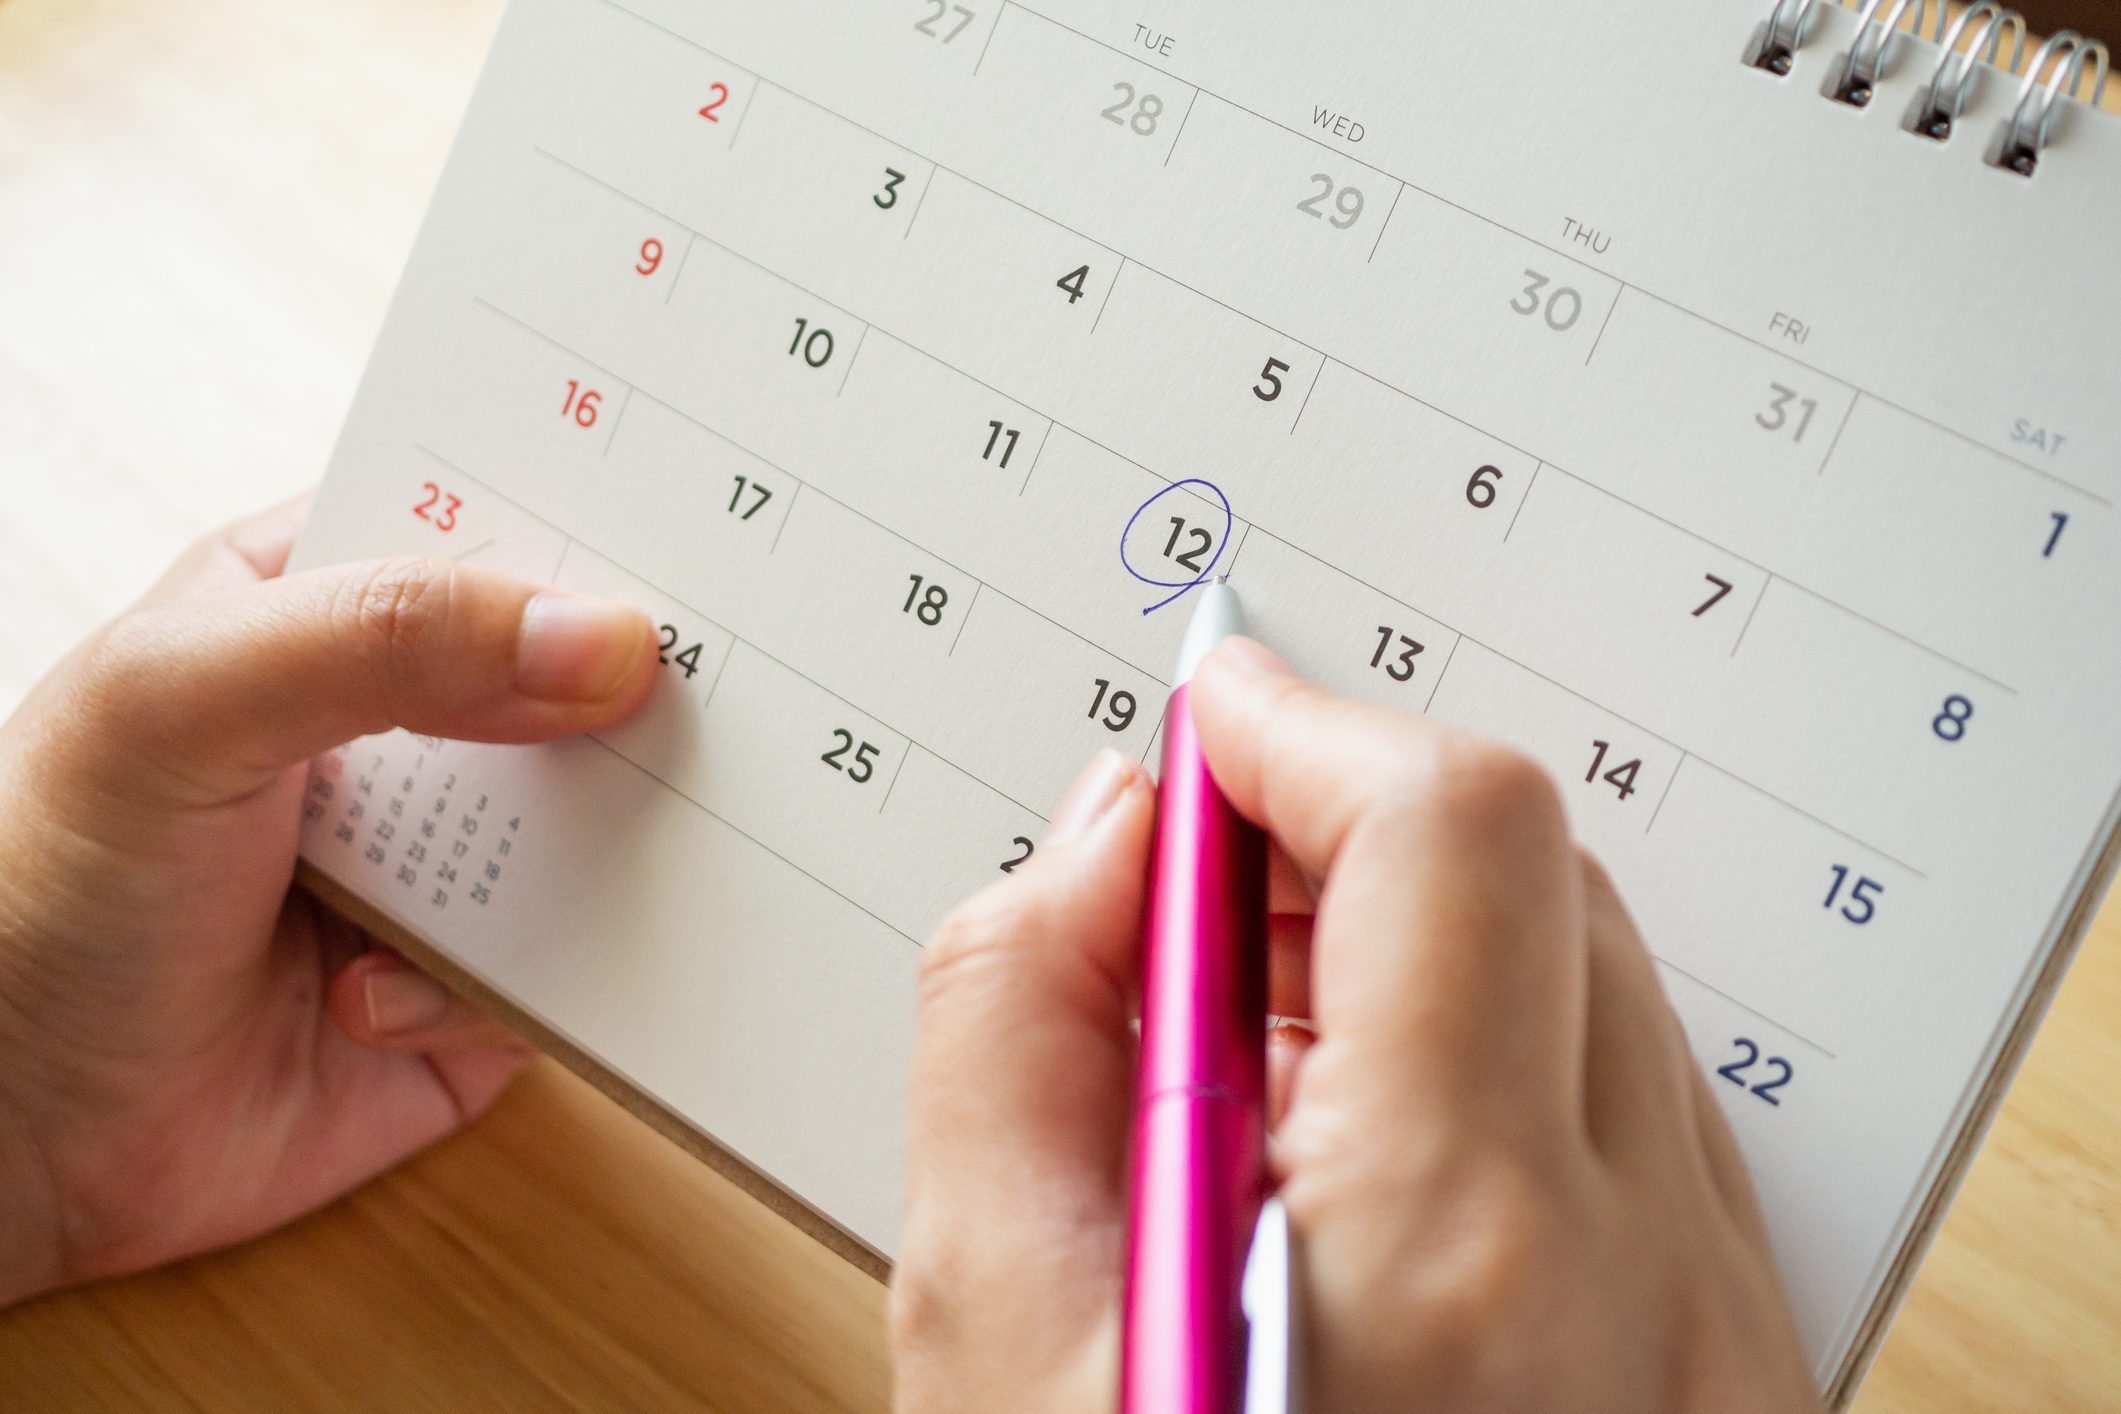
(1023, 1062)
(200, 701)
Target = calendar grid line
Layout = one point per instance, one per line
(1560, 254)
(1323, 360)
(1183, 120)
(618, 419)
(1044, 438)
(920, 201)
(992, 30)
(892, 784)
(978, 587)
(1755, 1012)
(1831, 602)
(727, 823)
(1131, 461)
(1530, 487)
(1848, 415)
(1117, 276)
(1743, 628)
(787, 512)
(1557, 253)
(1450, 656)
(738, 639)
(803, 483)
(848, 372)
(1604, 324)
(1666, 793)
(758, 81)
(684, 257)
(1591, 702)
(1386, 224)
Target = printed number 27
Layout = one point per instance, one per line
(938, 11)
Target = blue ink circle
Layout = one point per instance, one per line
(1222, 542)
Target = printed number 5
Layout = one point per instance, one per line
(938, 10)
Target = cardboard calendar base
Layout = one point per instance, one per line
(665, 1121)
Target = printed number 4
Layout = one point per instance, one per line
(939, 10)
(1735, 1071)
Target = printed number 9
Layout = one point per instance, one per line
(651, 258)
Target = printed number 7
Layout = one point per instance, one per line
(939, 10)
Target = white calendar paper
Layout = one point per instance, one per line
(1742, 456)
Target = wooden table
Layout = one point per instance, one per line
(203, 207)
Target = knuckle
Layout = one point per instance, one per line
(389, 611)
(1484, 785)
(971, 944)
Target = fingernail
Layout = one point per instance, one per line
(402, 1000)
(575, 648)
(1252, 658)
(1097, 790)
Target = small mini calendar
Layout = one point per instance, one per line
(1714, 401)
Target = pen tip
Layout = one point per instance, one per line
(1217, 616)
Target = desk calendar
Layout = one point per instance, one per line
(1702, 399)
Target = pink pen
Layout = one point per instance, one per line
(1200, 1116)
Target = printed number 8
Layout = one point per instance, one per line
(1950, 724)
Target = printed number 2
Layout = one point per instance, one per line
(713, 111)
(1734, 1071)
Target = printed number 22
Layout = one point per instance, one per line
(1735, 1071)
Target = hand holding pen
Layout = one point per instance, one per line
(1509, 1185)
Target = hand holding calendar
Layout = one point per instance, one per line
(1515, 1187)
(190, 1056)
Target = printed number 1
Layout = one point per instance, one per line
(2054, 537)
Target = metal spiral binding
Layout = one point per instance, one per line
(1947, 95)
(1971, 42)
(2033, 118)
(1874, 41)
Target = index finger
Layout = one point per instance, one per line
(1449, 943)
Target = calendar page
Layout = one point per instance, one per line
(1740, 454)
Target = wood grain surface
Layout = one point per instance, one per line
(203, 207)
